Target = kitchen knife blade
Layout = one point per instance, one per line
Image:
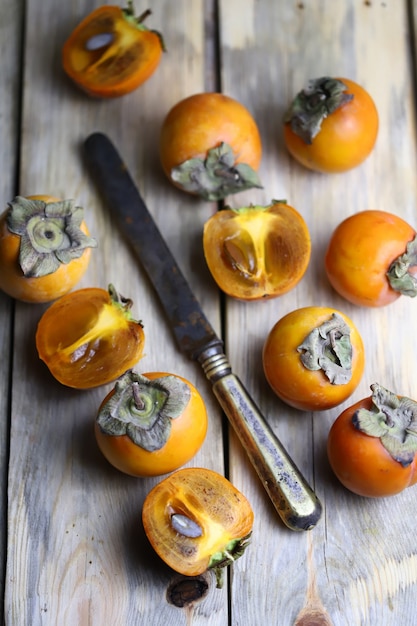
(291, 495)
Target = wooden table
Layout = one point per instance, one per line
(74, 549)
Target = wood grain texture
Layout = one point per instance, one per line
(10, 40)
(76, 551)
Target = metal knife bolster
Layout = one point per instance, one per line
(293, 499)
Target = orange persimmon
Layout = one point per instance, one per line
(196, 520)
(210, 146)
(44, 248)
(371, 258)
(111, 52)
(313, 358)
(372, 445)
(151, 424)
(332, 125)
(257, 251)
(88, 337)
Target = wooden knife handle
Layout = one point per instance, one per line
(292, 497)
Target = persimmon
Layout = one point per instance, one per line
(313, 358)
(371, 258)
(196, 520)
(89, 338)
(151, 424)
(332, 125)
(257, 251)
(111, 52)
(210, 146)
(372, 445)
(44, 248)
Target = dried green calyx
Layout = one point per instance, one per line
(50, 234)
(393, 419)
(216, 176)
(313, 104)
(328, 347)
(399, 273)
(143, 409)
(219, 560)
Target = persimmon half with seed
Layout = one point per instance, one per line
(151, 424)
(257, 251)
(45, 248)
(196, 520)
(111, 52)
(89, 338)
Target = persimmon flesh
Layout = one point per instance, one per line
(258, 251)
(88, 337)
(195, 519)
(111, 52)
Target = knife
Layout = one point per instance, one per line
(293, 498)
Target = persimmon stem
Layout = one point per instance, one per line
(137, 396)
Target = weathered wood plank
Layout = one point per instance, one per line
(77, 553)
(358, 567)
(10, 40)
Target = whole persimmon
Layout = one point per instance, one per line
(371, 258)
(314, 358)
(210, 146)
(44, 248)
(151, 424)
(372, 445)
(332, 125)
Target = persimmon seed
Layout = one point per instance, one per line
(185, 526)
(99, 41)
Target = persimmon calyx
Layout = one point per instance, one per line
(313, 104)
(50, 234)
(142, 409)
(399, 275)
(219, 560)
(393, 419)
(216, 176)
(328, 347)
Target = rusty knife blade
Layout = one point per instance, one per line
(291, 495)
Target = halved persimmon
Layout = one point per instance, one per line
(88, 337)
(44, 248)
(210, 146)
(257, 251)
(151, 424)
(111, 52)
(196, 520)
